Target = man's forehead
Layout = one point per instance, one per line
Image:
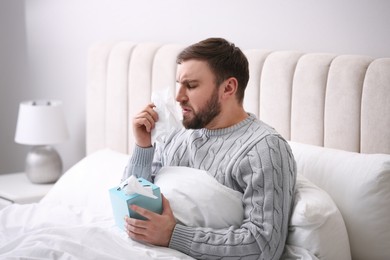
(192, 69)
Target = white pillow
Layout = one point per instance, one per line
(197, 199)
(86, 184)
(297, 253)
(316, 223)
(360, 186)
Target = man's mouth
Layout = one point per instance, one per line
(185, 110)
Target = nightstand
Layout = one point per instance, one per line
(16, 188)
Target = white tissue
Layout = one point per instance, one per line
(131, 186)
(169, 116)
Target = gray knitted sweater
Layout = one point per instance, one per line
(249, 157)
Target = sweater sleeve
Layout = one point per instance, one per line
(140, 163)
(266, 174)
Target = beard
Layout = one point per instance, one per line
(205, 115)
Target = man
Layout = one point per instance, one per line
(219, 137)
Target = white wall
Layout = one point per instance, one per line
(58, 34)
(13, 59)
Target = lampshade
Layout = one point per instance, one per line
(41, 123)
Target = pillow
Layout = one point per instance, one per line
(197, 199)
(86, 184)
(359, 184)
(297, 253)
(316, 226)
(316, 223)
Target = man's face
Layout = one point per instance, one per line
(198, 95)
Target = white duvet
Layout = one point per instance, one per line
(50, 231)
(75, 221)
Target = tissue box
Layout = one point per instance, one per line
(121, 202)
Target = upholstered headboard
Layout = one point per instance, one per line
(336, 101)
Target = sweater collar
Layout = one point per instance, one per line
(222, 131)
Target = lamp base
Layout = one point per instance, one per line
(43, 164)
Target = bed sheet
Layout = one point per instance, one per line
(52, 231)
(75, 220)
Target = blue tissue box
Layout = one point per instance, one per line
(121, 202)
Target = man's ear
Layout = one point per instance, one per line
(229, 88)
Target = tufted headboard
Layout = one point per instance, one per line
(335, 101)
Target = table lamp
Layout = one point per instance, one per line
(41, 124)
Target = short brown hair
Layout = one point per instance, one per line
(224, 58)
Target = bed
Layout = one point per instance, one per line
(333, 109)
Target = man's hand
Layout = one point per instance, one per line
(156, 230)
(143, 123)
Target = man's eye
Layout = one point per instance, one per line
(191, 86)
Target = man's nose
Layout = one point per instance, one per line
(181, 95)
